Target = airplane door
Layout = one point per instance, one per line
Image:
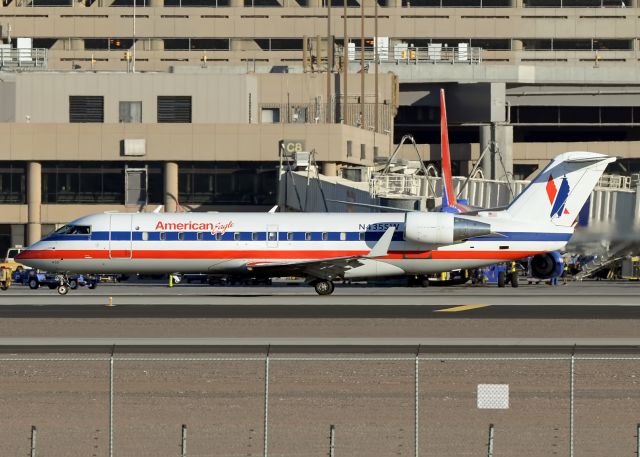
(272, 236)
(120, 236)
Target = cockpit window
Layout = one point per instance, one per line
(74, 230)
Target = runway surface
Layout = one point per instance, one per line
(591, 310)
(335, 360)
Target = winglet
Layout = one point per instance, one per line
(381, 248)
(274, 209)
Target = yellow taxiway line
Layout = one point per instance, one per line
(456, 309)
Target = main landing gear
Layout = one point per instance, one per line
(323, 286)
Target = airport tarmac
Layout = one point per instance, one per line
(589, 310)
(562, 400)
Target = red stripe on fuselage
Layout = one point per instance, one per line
(70, 254)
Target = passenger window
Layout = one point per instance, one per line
(290, 236)
(163, 236)
(200, 236)
(236, 236)
(272, 236)
(218, 236)
(362, 238)
(255, 236)
(307, 236)
(325, 236)
(180, 236)
(343, 236)
(145, 236)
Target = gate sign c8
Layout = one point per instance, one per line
(290, 147)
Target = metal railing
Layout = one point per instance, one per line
(328, 113)
(23, 59)
(398, 185)
(615, 182)
(434, 53)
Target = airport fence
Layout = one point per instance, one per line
(568, 404)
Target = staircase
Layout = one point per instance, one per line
(597, 265)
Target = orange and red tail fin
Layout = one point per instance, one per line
(448, 195)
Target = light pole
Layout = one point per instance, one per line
(133, 54)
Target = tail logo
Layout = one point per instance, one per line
(558, 197)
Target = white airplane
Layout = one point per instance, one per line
(323, 247)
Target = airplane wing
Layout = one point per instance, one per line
(324, 268)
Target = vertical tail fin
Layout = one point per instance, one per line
(448, 196)
(559, 192)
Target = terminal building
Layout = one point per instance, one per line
(192, 104)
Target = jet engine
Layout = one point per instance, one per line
(442, 228)
(545, 266)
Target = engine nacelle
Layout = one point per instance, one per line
(545, 266)
(442, 228)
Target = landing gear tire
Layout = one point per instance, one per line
(513, 279)
(424, 281)
(73, 284)
(33, 284)
(63, 289)
(502, 279)
(92, 285)
(323, 287)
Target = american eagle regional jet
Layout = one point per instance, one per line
(323, 247)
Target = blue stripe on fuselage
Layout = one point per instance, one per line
(291, 236)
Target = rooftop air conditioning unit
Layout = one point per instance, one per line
(301, 158)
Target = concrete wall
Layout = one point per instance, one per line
(7, 101)
(241, 25)
(198, 142)
(215, 98)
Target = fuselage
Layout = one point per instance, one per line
(232, 243)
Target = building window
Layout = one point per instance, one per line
(176, 44)
(270, 116)
(227, 183)
(12, 183)
(87, 182)
(86, 108)
(130, 112)
(175, 109)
